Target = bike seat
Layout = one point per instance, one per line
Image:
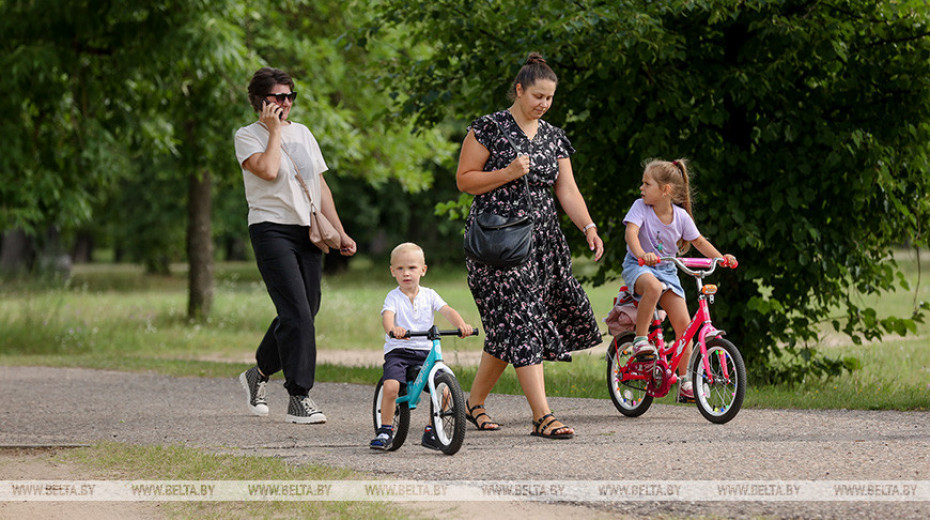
(413, 372)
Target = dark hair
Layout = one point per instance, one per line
(263, 81)
(534, 69)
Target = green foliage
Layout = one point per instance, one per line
(807, 124)
(381, 173)
(113, 106)
(110, 100)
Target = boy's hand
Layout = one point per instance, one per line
(466, 330)
(398, 332)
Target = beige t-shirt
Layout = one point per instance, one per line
(282, 200)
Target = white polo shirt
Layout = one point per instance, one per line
(415, 316)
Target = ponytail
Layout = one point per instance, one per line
(675, 173)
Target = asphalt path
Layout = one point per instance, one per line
(63, 406)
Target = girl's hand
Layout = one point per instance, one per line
(594, 243)
(650, 259)
(731, 260)
(519, 167)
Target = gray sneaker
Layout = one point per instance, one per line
(302, 410)
(254, 386)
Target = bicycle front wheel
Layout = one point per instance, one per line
(449, 420)
(719, 391)
(401, 416)
(629, 396)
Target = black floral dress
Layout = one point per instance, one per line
(536, 311)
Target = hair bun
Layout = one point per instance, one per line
(535, 57)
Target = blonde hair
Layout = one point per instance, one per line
(674, 174)
(407, 247)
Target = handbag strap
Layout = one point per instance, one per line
(513, 145)
(297, 173)
(300, 179)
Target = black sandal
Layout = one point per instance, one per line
(474, 418)
(540, 427)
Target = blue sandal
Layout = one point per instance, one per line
(383, 440)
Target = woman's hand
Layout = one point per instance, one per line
(519, 167)
(270, 116)
(347, 246)
(594, 243)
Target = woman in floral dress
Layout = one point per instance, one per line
(535, 311)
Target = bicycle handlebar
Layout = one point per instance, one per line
(433, 332)
(688, 264)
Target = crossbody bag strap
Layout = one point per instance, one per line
(297, 172)
(526, 183)
(300, 179)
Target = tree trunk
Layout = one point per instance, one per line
(199, 246)
(83, 250)
(17, 252)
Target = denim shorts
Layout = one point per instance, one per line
(665, 272)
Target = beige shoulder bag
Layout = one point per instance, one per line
(322, 232)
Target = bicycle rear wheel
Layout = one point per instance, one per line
(719, 392)
(629, 397)
(401, 416)
(449, 421)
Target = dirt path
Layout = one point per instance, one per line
(49, 406)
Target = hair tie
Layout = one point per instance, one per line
(677, 164)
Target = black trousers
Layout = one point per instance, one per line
(291, 267)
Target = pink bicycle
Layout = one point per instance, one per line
(716, 366)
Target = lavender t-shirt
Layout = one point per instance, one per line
(656, 237)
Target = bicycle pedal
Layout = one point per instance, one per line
(646, 357)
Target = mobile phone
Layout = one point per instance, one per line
(280, 114)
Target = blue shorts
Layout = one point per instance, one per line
(396, 362)
(665, 272)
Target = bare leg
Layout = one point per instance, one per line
(489, 371)
(389, 391)
(677, 311)
(650, 288)
(532, 381)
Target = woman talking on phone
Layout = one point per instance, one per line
(272, 152)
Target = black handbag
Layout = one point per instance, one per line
(501, 241)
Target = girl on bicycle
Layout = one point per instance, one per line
(659, 224)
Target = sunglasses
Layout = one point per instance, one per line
(286, 95)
